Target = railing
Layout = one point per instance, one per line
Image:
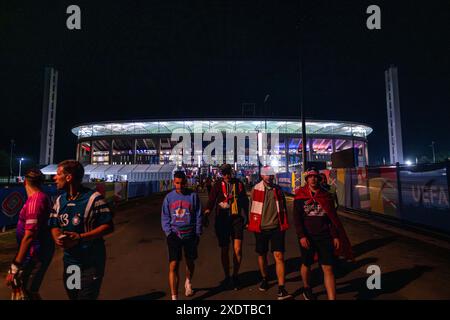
(12, 198)
(415, 194)
(418, 194)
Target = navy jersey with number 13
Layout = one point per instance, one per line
(83, 214)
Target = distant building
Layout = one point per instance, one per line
(149, 142)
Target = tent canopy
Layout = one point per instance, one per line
(136, 172)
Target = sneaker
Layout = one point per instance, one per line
(188, 289)
(264, 285)
(235, 284)
(308, 294)
(283, 294)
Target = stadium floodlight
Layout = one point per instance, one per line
(20, 166)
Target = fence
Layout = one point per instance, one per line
(415, 194)
(13, 198)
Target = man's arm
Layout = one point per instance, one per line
(199, 215)
(98, 232)
(56, 233)
(243, 202)
(299, 218)
(250, 201)
(31, 228)
(74, 238)
(165, 217)
(334, 231)
(103, 225)
(53, 223)
(211, 200)
(24, 246)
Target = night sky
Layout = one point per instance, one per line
(185, 59)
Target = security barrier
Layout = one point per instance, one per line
(13, 198)
(414, 194)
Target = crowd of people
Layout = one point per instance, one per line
(76, 222)
(321, 235)
(79, 219)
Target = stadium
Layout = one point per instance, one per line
(139, 142)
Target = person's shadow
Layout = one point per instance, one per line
(391, 282)
(372, 244)
(292, 265)
(156, 295)
(342, 267)
(246, 279)
(253, 278)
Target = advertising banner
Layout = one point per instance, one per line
(383, 190)
(284, 180)
(425, 197)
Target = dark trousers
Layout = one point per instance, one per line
(90, 280)
(35, 269)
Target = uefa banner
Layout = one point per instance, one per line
(425, 197)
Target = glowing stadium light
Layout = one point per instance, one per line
(275, 163)
(408, 162)
(260, 141)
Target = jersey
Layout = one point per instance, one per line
(34, 217)
(83, 214)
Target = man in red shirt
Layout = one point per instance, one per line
(319, 231)
(269, 221)
(229, 198)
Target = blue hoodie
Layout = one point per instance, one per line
(182, 214)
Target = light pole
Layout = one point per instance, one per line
(302, 113)
(20, 167)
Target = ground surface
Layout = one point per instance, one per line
(137, 263)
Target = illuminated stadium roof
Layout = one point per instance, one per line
(283, 126)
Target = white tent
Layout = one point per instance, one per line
(133, 173)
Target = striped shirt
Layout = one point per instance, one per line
(34, 217)
(85, 213)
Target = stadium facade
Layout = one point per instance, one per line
(185, 142)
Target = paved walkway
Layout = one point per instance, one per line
(137, 263)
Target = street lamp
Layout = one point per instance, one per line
(20, 167)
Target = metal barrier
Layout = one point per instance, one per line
(413, 194)
(13, 198)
